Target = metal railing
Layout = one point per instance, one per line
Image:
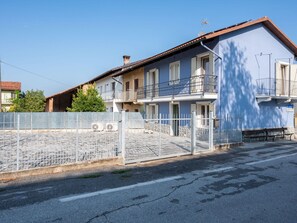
(130, 95)
(276, 87)
(186, 86)
(110, 95)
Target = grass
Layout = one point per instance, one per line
(93, 175)
(121, 171)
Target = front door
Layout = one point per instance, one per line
(175, 116)
(204, 72)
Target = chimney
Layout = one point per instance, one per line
(126, 59)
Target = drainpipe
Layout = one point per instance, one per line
(221, 73)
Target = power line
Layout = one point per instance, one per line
(33, 73)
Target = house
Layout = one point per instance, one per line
(244, 74)
(110, 88)
(8, 93)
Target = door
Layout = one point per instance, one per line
(205, 73)
(175, 116)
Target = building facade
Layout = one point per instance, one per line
(8, 93)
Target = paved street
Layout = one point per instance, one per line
(253, 183)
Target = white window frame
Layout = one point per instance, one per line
(174, 73)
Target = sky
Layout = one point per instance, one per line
(63, 43)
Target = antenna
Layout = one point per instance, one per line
(203, 23)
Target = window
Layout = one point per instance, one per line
(113, 86)
(135, 84)
(174, 73)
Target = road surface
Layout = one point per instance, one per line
(254, 183)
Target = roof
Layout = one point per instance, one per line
(117, 71)
(103, 75)
(211, 35)
(10, 86)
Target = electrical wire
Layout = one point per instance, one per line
(33, 73)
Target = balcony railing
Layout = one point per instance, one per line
(187, 86)
(130, 95)
(110, 95)
(276, 87)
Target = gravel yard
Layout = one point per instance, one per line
(49, 148)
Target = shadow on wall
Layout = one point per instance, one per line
(239, 108)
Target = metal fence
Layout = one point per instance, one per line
(33, 140)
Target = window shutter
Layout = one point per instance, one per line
(193, 66)
(199, 116)
(157, 76)
(157, 111)
(147, 78)
(211, 64)
(294, 79)
(171, 72)
(178, 71)
(193, 108)
(278, 77)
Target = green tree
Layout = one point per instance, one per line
(30, 101)
(87, 101)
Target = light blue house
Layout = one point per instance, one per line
(244, 74)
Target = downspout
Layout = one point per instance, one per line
(219, 84)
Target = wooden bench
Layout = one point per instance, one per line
(267, 133)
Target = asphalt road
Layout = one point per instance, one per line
(254, 183)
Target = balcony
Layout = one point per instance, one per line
(109, 96)
(198, 86)
(271, 88)
(130, 96)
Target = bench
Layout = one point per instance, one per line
(267, 133)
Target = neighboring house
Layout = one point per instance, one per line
(244, 74)
(109, 88)
(8, 93)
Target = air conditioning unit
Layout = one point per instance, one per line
(97, 127)
(111, 127)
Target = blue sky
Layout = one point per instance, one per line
(72, 41)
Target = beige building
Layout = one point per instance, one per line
(8, 93)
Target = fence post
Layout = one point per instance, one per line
(122, 124)
(76, 144)
(193, 132)
(210, 138)
(31, 123)
(18, 142)
(160, 126)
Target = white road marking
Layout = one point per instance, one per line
(106, 191)
(218, 170)
(271, 159)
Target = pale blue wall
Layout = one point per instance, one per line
(240, 72)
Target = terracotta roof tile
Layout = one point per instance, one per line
(10, 86)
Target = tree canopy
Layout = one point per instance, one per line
(29, 101)
(87, 101)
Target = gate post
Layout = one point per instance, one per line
(122, 126)
(18, 143)
(193, 132)
(210, 138)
